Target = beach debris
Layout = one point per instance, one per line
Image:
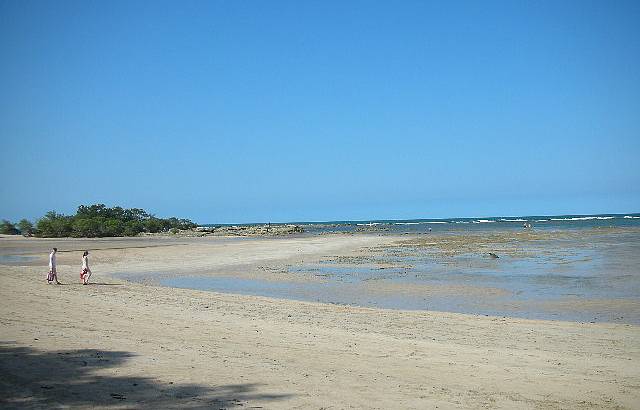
(493, 255)
(118, 396)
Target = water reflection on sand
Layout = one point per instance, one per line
(580, 276)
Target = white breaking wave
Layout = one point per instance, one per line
(513, 220)
(631, 217)
(370, 224)
(420, 223)
(583, 218)
(482, 221)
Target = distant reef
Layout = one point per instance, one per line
(249, 230)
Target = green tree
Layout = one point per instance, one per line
(85, 227)
(133, 228)
(26, 227)
(187, 224)
(54, 225)
(113, 227)
(98, 220)
(92, 211)
(7, 228)
(135, 214)
(153, 225)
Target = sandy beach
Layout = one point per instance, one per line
(123, 344)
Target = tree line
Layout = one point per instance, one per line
(93, 221)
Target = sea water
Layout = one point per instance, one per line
(590, 274)
(477, 224)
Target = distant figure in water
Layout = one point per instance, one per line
(85, 273)
(53, 272)
(429, 229)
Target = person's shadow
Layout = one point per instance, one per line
(56, 379)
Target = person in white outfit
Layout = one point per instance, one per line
(52, 276)
(85, 273)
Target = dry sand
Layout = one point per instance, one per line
(116, 344)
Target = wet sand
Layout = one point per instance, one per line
(132, 345)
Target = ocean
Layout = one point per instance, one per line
(542, 222)
(567, 267)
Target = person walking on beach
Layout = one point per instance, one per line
(85, 273)
(53, 273)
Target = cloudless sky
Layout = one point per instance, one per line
(249, 111)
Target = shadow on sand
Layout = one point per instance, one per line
(77, 378)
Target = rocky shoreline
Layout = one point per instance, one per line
(237, 230)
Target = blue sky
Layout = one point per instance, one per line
(227, 111)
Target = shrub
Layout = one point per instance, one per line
(153, 225)
(7, 228)
(97, 220)
(25, 227)
(92, 227)
(55, 225)
(113, 227)
(133, 228)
